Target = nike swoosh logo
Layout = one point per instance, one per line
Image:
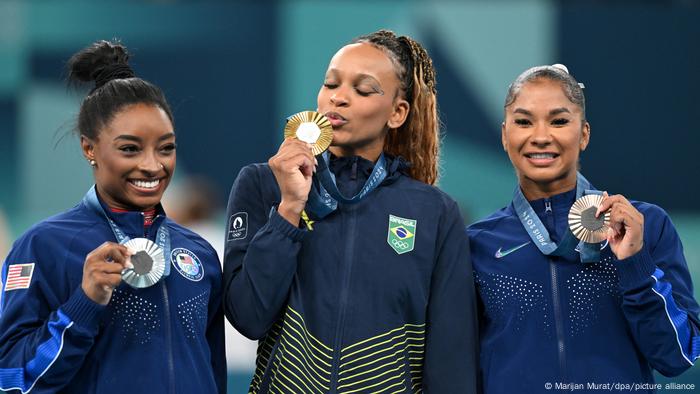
(503, 253)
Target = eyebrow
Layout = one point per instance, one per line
(359, 77)
(555, 111)
(138, 139)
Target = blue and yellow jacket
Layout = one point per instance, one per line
(572, 325)
(378, 297)
(168, 338)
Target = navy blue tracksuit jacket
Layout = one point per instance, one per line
(553, 320)
(339, 309)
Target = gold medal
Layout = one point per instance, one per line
(583, 223)
(146, 265)
(310, 127)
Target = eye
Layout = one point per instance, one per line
(129, 149)
(364, 92)
(330, 85)
(560, 122)
(168, 148)
(523, 122)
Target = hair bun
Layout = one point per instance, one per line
(101, 62)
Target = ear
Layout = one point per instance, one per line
(399, 114)
(88, 147)
(504, 141)
(585, 136)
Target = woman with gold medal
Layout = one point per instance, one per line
(348, 265)
(111, 296)
(577, 288)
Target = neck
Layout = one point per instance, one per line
(534, 190)
(368, 153)
(116, 205)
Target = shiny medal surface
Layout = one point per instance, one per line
(146, 265)
(583, 223)
(310, 127)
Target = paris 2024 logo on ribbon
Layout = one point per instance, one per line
(402, 234)
(187, 264)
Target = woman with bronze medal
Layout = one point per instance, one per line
(347, 265)
(111, 296)
(577, 288)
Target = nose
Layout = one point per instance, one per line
(339, 97)
(541, 135)
(150, 164)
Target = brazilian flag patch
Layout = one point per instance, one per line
(402, 234)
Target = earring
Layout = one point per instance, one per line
(162, 167)
(92, 163)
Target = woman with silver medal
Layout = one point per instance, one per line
(583, 287)
(346, 264)
(111, 296)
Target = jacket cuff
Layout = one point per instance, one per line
(635, 269)
(282, 225)
(83, 311)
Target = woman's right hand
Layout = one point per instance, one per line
(293, 166)
(102, 271)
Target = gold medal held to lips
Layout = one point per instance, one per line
(146, 265)
(310, 127)
(583, 223)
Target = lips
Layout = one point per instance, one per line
(146, 185)
(541, 159)
(541, 155)
(336, 119)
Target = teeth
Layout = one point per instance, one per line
(146, 184)
(542, 155)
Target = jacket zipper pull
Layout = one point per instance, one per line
(548, 206)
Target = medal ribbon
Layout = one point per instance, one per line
(324, 195)
(590, 253)
(162, 236)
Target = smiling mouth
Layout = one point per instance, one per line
(545, 155)
(145, 184)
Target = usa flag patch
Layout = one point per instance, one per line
(19, 276)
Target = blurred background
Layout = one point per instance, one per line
(233, 71)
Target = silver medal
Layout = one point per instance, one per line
(146, 265)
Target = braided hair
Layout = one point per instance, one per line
(115, 86)
(418, 139)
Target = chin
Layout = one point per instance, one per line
(544, 176)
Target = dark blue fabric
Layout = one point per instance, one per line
(577, 323)
(125, 347)
(342, 284)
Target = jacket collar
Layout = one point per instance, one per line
(131, 222)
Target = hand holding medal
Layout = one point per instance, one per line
(307, 134)
(626, 232)
(102, 271)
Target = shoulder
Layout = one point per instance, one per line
(254, 173)
(190, 238)
(55, 235)
(421, 192)
(254, 178)
(491, 223)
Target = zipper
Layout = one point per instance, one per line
(556, 301)
(344, 292)
(558, 321)
(169, 339)
(166, 307)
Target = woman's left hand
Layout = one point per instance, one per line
(626, 233)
